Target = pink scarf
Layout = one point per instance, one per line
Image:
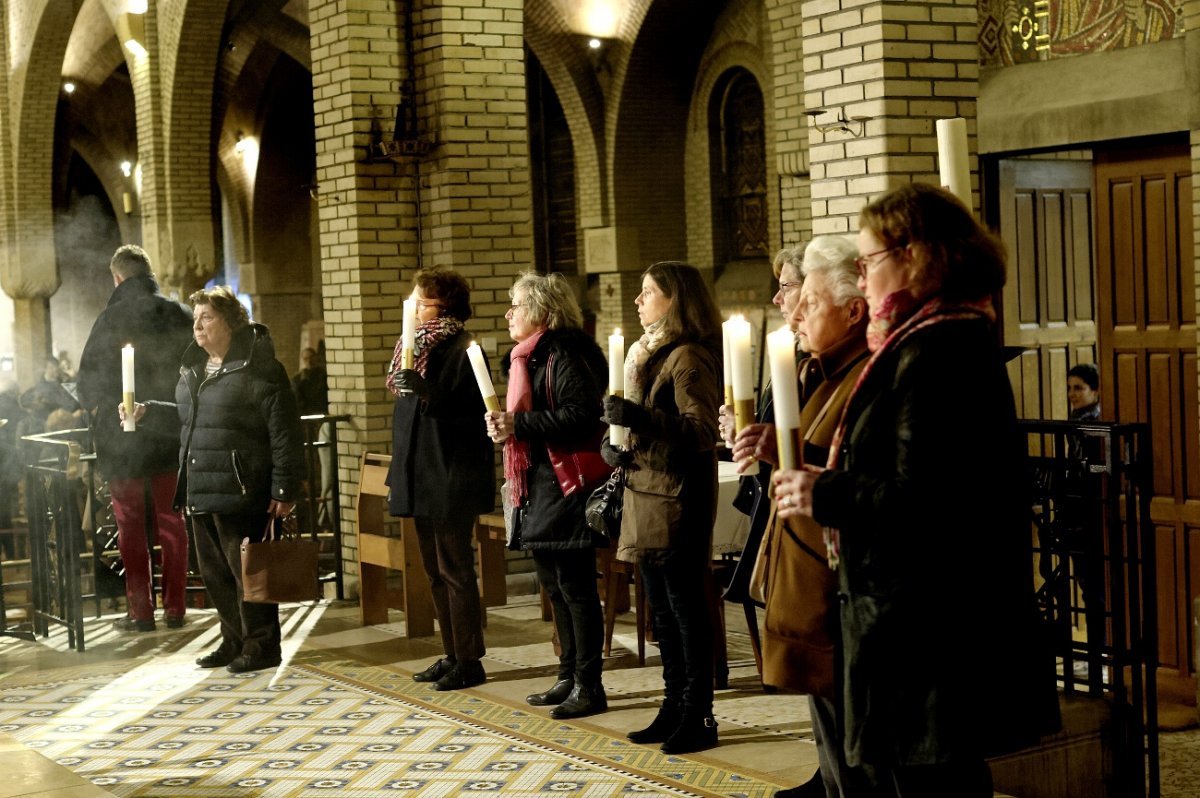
(898, 319)
(519, 400)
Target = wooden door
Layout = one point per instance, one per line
(1147, 318)
(1046, 225)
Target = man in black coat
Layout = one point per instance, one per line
(140, 466)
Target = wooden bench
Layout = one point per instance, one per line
(378, 553)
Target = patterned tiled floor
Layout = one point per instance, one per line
(342, 715)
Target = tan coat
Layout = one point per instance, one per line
(801, 618)
(671, 488)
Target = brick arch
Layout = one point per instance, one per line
(42, 29)
(189, 40)
(715, 67)
(649, 123)
(582, 100)
(106, 165)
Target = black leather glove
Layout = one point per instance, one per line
(625, 413)
(615, 457)
(411, 381)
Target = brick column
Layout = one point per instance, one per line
(905, 65)
(790, 124)
(365, 222)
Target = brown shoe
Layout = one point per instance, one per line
(133, 625)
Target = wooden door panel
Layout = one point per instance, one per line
(1045, 222)
(1147, 340)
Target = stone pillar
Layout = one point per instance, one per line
(31, 337)
(904, 65)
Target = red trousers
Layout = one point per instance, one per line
(129, 506)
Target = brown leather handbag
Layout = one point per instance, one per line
(281, 568)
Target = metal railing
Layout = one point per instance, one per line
(1095, 552)
(320, 505)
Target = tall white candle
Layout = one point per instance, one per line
(479, 366)
(408, 336)
(616, 382)
(743, 384)
(781, 351)
(727, 360)
(954, 166)
(128, 387)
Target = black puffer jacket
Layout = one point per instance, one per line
(551, 520)
(939, 636)
(241, 439)
(160, 330)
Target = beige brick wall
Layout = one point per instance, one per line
(904, 65)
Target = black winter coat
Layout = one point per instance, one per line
(241, 440)
(551, 520)
(939, 633)
(160, 329)
(443, 463)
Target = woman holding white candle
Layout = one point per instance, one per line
(911, 526)
(442, 473)
(799, 627)
(672, 392)
(556, 379)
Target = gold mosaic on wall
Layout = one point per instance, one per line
(1019, 31)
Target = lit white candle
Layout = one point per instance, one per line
(616, 382)
(128, 388)
(408, 336)
(479, 366)
(781, 351)
(743, 385)
(954, 166)
(727, 361)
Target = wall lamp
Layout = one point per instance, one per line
(856, 126)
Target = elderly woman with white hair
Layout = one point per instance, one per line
(830, 319)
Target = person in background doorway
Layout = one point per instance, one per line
(1083, 392)
(443, 472)
(310, 385)
(140, 466)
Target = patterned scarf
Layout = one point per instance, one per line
(639, 352)
(519, 400)
(428, 336)
(902, 326)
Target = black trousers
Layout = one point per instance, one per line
(569, 577)
(674, 584)
(246, 628)
(449, 559)
(841, 780)
(956, 779)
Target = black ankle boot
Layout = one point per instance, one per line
(552, 697)
(664, 723)
(582, 701)
(695, 733)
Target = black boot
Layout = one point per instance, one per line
(665, 722)
(552, 697)
(582, 701)
(695, 733)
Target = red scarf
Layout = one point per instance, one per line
(428, 336)
(898, 321)
(519, 400)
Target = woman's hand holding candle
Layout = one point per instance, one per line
(753, 443)
(500, 425)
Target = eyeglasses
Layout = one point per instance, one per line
(788, 285)
(422, 304)
(864, 261)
